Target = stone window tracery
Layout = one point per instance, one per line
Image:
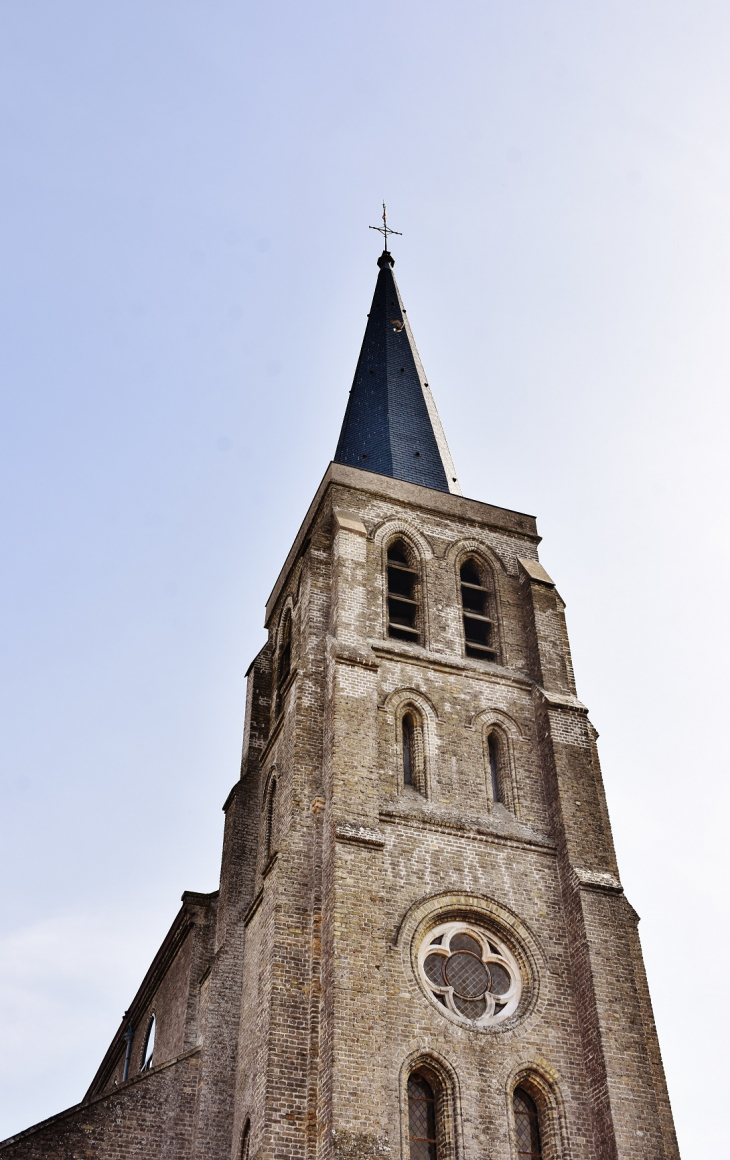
(470, 974)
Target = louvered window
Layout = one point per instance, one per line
(476, 608)
(527, 1125)
(403, 610)
(421, 1118)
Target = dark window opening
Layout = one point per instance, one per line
(245, 1140)
(476, 599)
(402, 594)
(527, 1125)
(495, 755)
(149, 1046)
(269, 823)
(408, 738)
(284, 667)
(421, 1118)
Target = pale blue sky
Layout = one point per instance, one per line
(186, 269)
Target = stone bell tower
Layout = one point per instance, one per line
(420, 949)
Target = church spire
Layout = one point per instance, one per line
(391, 424)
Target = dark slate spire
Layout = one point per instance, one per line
(391, 424)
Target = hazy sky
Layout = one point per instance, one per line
(186, 270)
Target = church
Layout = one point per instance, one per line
(420, 948)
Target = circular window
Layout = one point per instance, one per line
(471, 975)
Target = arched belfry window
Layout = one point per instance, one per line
(421, 1118)
(495, 752)
(527, 1125)
(403, 593)
(477, 609)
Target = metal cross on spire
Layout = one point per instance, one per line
(385, 228)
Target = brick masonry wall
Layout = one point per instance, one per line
(151, 1116)
(300, 989)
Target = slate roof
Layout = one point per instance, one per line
(391, 424)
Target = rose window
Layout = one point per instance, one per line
(470, 974)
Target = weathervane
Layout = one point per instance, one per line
(385, 228)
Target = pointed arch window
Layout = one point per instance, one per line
(527, 1125)
(496, 762)
(269, 822)
(477, 606)
(413, 755)
(408, 748)
(284, 664)
(245, 1141)
(148, 1050)
(403, 593)
(421, 1118)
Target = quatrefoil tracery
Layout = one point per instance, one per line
(471, 974)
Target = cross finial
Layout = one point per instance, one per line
(385, 228)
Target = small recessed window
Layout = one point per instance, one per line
(149, 1045)
(421, 1118)
(269, 821)
(246, 1140)
(476, 608)
(408, 746)
(403, 609)
(413, 750)
(527, 1125)
(284, 666)
(495, 767)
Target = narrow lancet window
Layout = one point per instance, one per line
(269, 823)
(408, 748)
(149, 1046)
(402, 594)
(527, 1125)
(284, 650)
(494, 748)
(476, 607)
(245, 1141)
(421, 1118)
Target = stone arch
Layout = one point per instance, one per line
(539, 1080)
(443, 1079)
(393, 527)
(509, 735)
(397, 704)
(456, 552)
(507, 925)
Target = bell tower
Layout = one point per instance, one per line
(421, 948)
